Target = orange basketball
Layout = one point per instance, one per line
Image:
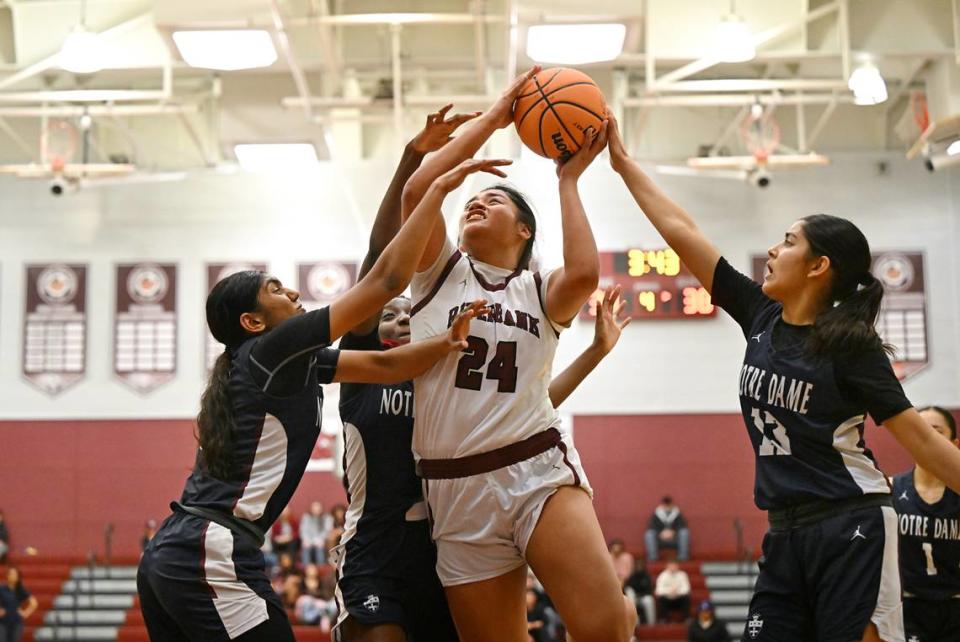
(555, 110)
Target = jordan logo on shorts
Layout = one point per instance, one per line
(913, 638)
(857, 534)
(754, 625)
(757, 337)
(372, 603)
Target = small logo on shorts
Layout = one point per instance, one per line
(913, 638)
(754, 625)
(857, 534)
(372, 603)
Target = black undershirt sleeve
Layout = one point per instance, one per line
(370, 341)
(281, 358)
(868, 378)
(740, 296)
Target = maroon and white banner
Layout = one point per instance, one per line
(903, 313)
(55, 326)
(216, 272)
(145, 336)
(323, 281)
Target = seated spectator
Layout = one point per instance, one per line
(639, 588)
(707, 628)
(667, 529)
(673, 592)
(551, 619)
(314, 528)
(4, 540)
(16, 606)
(270, 561)
(536, 618)
(338, 517)
(149, 530)
(622, 560)
(285, 534)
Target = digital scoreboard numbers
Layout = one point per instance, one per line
(655, 285)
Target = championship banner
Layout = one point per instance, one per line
(145, 336)
(216, 272)
(903, 313)
(55, 326)
(323, 281)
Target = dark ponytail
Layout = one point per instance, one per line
(231, 297)
(526, 216)
(847, 325)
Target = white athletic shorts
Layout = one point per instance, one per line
(482, 523)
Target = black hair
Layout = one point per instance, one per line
(230, 298)
(947, 417)
(847, 325)
(525, 215)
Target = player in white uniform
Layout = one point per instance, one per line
(504, 487)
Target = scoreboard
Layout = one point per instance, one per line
(655, 285)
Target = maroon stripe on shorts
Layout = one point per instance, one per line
(491, 460)
(576, 477)
(436, 286)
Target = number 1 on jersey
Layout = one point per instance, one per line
(502, 368)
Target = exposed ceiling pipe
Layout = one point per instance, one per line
(299, 78)
(83, 96)
(69, 111)
(331, 58)
(733, 100)
(755, 84)
(397, 85)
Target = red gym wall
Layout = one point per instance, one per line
(62, 482)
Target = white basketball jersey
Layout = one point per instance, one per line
(495, 392)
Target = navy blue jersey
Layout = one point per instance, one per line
(379, 473)
(805, 416)
(277, 400)
(929, 541)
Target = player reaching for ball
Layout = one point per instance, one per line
(813, 368)
(504, 486)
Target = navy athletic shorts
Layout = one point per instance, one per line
(407, 593)
(931, 620)
(826, 581)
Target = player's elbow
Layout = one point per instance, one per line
(413, 191)
(583, 279)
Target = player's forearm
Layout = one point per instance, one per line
(563, 385)
(412, 360)
(449, 156)
(581, 263)
(929, 449)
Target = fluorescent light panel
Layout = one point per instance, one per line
(82, 52)
(276, 157)
(732, 40)
(226, 49)
(954, 148)
(575, 44)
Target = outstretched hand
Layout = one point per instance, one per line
(502, 110)
(610, 320)
(619, 158)
(455, 177)
(460, 327)
(593, 143)
(438, 128)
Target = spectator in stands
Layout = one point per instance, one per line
(149, 530)
(622, 560)
(317, 605)
(285, 534)
(338, 516)
(536, 618)
(314, 528)
(673, 592)
(639, 588)
(667, 529)
(16, 605)
(4, 539)
(707, 628)
(551, 619)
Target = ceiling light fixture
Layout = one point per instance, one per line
(226, 49)
(575, 44)
(732, 40)
(276, 157)
(867, 85)
(82, 52)
(954, 148)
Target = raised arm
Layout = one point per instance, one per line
(606, 333)
(458, 150)
(675, 226)
(392, 272)
(434, 135)
(409, 361)
(570, 286)
(928, 448)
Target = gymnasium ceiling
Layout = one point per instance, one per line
(351, 72)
